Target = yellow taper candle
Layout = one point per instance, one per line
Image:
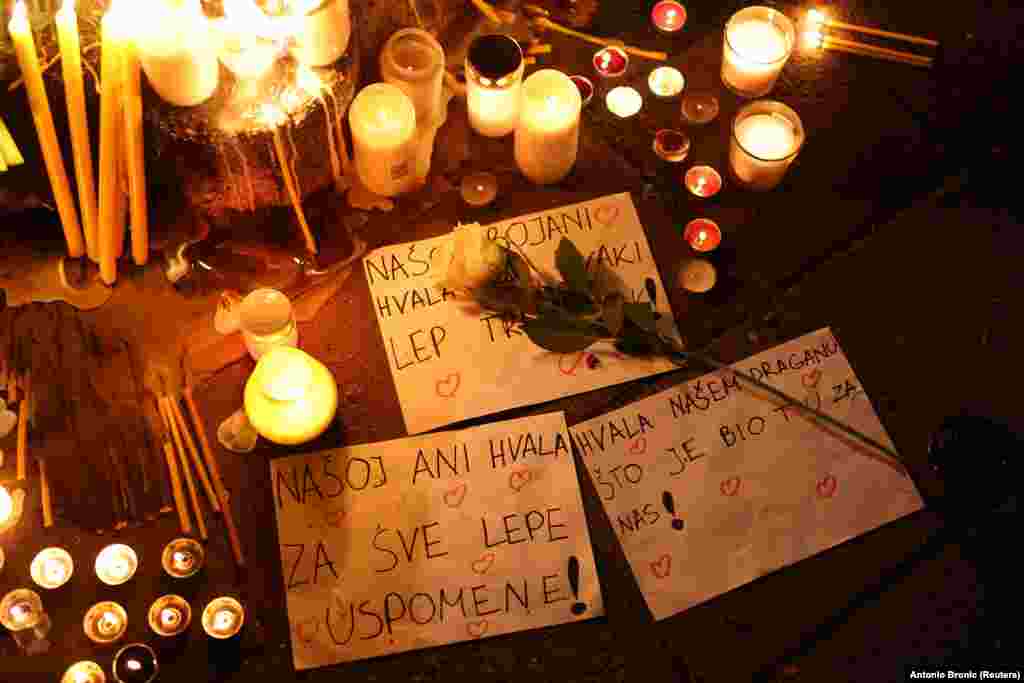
(74, 93)
(110, 225)
(131, 96)
(25, 47)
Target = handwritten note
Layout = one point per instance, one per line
(450, 363)
(434, 539)
(711, 484)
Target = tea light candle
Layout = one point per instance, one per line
(702, 234)
(223, 618)
(413, 60)
(671, 145)
(697, 276)
(766, 138)
(105, 623)
(322, 29)
(51, 568)
(479, 189)
(383, 122)
(266, 320)
(22, 613)
(547, 138)
(183, 558)
(703, 181)
(699, 108)
(9, 510)
(666, 82)
(624, 101)
(178, 52)
(494, 84)
(585, 86)
(758, 41)
(668, 16)
(611, 62)
(84, 672)
(170, 615)
(116, 564)
(135, 663)
(291, 397)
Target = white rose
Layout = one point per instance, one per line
(475, 260)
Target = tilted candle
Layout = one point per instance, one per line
(135, 154)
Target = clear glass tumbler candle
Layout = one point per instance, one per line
(22, 613)
(265, 317)
(758, 42)
(766, 137)
(413, 60)
(494, 84)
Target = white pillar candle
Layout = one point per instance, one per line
(548, 134)
(383, 122)
(758, 41)
(178, 53)
(322, 31)
(766, 137)
(494, 85)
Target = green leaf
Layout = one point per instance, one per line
(578, 303)
(641, 315)
(652, 291)
(559, 335)
(614, 315)
(572, 266)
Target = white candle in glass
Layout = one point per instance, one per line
(178, 53)
(322, 31)
(494, 85)
(766, 137)
(758, 42)
(413, 60)
(548, 134)
(383, 122)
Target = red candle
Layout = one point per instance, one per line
(611, 62)
(703, 181)
(702, 234)
(668, 16)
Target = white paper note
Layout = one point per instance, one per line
(434, 539)
(710, 484)
(449, 363)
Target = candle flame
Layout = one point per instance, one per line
(6, 505)
(67, 7)
(81, 676)
(20, 11)
(307, 79)
(812, 39)
(815, 18)
(133, 664)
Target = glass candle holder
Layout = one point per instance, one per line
(51, 568)
(758, 42)
(624, 101)
(22, 613)
(766, 137)
(266, 320)
(413, 60)
(585, 86)
(105, 623)
(479, 189)
(223, 618)
(672, 146)
(697, 276)
(699, 108)
(666, 82)
(702, 234)
(183, 558)
(170, 615)
(84, 672)
(322, 31)
(611, 62)
(548, 136)
(135, 663)
(116, 564)
(383, 123)
(668, 16)
(291, 397)
(494, 84)
(703, 181)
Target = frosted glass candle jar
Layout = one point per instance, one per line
(766, 137)
(494, 84)
(383, 122)
(547, 137)
(758, 42)
(266, 320)
(322, 31)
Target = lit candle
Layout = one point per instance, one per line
(698, 276)
(266, 321)
(547, 137)
(170, 615)
(671, 145)
(250, 42)
(84, 672)
(610, 62)
(494, 84)
(6, 506)
(479, 189)
(322, 31)
(699, 108)
(766, 137)
(183, 558)
(51, 568)
(668, 16)
(586, 88)
(223, 618)
(105, 623)
(135, 154)
(702, 234)
(666, 82)
(624, 101)
(22, 613)
(703, 181)
(116, 564)
(413, 60)
(383, 122)
(111, 227)
(758, 41)
(78, 120)
(178, 53)
(25, 49)
(291, 397)
(135, 663)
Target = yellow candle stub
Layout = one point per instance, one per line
(290, 397)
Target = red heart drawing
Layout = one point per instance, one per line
(606, 214)
(662, 567)
(307, 629)
(639, 446)
(476, 628)
(827, 487)
(447, 386)
(519, 478)
(811, 379)
(334, 517)
(484, 563)
(454, 496)
(730, 486)
(576, 359)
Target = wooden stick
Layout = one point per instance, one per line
(211, 463)
(833, 23)
(829, 44)
(179, 496)
(293, 193)
(23, 415)
(648, 54)
(193, 495)
(182, 459)
(488, 11)
(544, 49)
(868, 47)
(44, 486)
(193, 453)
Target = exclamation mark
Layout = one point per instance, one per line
(670, 505)
(578, 608)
